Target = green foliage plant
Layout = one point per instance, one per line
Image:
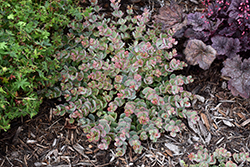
(118, 82)
(220, 157)
(30, 33)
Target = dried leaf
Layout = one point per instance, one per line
(199, 53)
(171, 16)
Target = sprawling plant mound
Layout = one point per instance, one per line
(117, 80)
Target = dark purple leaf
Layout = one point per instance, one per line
(232, 47)
(199, 53)
(218, 9)
(234, 8)
(198, 21)
(219, 44)
(232, 67)
(240, 76)
(228, 31)
(226, 46)
(245, 43)
(192, 34)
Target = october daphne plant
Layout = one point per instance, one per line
(117, 80)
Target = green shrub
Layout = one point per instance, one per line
(117, 80)
(29, 34)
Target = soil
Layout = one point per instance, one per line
(48, 140)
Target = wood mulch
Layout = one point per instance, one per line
(47, 140)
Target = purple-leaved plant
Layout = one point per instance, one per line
(224, 25)
(223, 21)
(117, 80)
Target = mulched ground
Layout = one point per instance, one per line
(48, 140)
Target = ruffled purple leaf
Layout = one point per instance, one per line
(228, 31)
(198, 21)
(232, 47)
(219, 44)
(199, 53)
(201, 35)
(240, 76)
(226, 46)
(245, 43)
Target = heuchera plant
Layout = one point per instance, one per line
(117, 80)
(220, 157)
(225, 24)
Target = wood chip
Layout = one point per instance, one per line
(208, 138)
(245, 122)
(220, 140)
(238, 125)
(205, 121)
(80, 150)
(220, 111)
(215, 126)
(169, 152)
(173, 148)
(200, 98)
(241, 115)
(31, 141)
(202, 128)
(228, 123)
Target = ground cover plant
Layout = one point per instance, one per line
(29, 33)
(224, 26)
(117, 80)
(220, 157)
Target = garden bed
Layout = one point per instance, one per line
(48, 140)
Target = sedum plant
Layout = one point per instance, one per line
(117, 80)
(220, 157)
